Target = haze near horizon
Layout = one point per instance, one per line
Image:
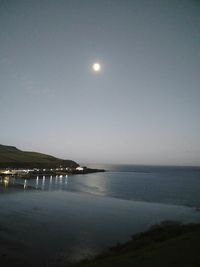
(140, 107)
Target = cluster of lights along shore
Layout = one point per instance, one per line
(18, 171)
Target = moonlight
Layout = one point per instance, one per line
(96, 67)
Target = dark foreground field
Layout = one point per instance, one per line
(168, 244)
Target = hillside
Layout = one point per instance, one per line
(13, 157)
(164, 245)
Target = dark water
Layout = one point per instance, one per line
(43, 221)
(168, 185)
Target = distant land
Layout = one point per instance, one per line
(12, 157)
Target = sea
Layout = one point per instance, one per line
(52, 220)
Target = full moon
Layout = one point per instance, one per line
(96, 67)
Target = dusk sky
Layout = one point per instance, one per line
(142, 107)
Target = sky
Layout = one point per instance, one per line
(143, 107)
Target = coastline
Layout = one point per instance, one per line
(167, 244)
(76, 203)
(6, 180)
(42, 206)
(47, 172)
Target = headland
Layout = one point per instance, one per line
(14, 161)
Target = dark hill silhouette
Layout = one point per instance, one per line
(13, 157)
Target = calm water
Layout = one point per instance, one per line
(53, 219)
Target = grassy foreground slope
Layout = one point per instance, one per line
(12, 157)
(165, 245)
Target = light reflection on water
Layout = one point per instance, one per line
(78, 183)
(161, 185)
(6, 181)
(46, 224)
(50, 216)
(42, 183)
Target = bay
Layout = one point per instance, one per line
(69, 218)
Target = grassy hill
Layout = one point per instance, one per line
(164, 245)
(12, 157)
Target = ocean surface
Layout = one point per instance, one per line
(49, 220)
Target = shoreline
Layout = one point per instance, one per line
(8, 255)
(40, 173)
(166, 244)
(17, 186)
